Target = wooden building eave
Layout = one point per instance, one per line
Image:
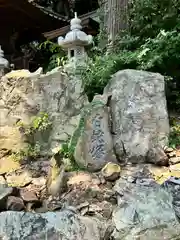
(19, 14)
(87, 19)
(49, 12)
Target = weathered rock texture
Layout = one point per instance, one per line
(139, 114)
(64, 225)
(4, 193)
(144, 212)
(22, 97)
(92, 139)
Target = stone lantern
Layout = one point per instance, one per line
(75, 42)
(3, 62)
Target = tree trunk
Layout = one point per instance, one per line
(115, 19)
(103, 10)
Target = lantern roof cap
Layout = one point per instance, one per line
(75, 37)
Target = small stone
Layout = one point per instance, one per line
(102, 179)
(41, 181)
(20, 180)
(93, 208)
(177, 187)
(52, 205)
(29, 207)
(174, 160)
(14, 204)
(56, 181)
(107, 209)
(82, 205)
(110, 196)
(32, 206)
(171, 154)
(168, 150)
(79, 178)
(71, 208)
(84, 211)
(175, 167)
(2, 180)
(96, 181)
(109, 184)
(28, 196)
(7, 165)
(50, 198)
(177, 153)
(111, 171)
(157, 156)
(4, 193)
(146, 182)
(131, 179)
(174, 180)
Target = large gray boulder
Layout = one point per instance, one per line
(144, 213)
(140, 123)
(65, 225)
(24, 95)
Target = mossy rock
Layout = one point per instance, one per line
(91, 144)
(86, 111)
(111, 171)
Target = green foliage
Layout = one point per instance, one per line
(147, 17)
(85, 112)
(51, 55)
(40, 123)
(152, 44)
(63, 150)
(63, 154)
(99, 70)
(156, 23)
(162, 53)
(159, 54)
(174, 138)
(31, 152)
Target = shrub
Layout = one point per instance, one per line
(99, 71)
(147, 17)
(39, 123)
(50, 55)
